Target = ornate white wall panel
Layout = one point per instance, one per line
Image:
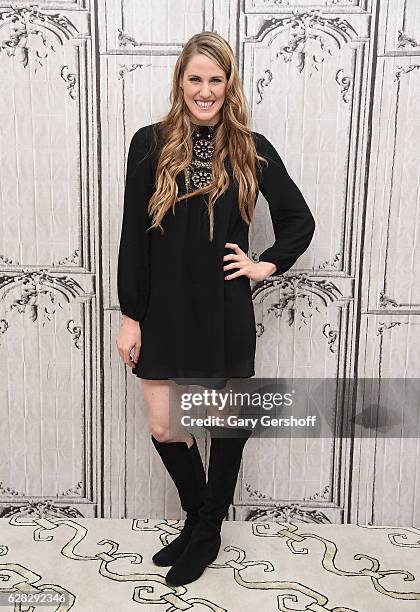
(136, 69)
(125, 108)
(385, 468)
(394, 216)
(334, 85)
(267, 6)
(150, 27)
(399, 27)
(305, 75)
(49, 4)
(49, 324)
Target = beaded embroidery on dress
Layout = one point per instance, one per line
(200, 172)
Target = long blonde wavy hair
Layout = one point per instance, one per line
(232, 139)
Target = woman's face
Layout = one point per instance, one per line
(204, 81)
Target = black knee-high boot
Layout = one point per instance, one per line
(186, 469)
(203, 547)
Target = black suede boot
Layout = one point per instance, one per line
(186, 469)
(203, 547)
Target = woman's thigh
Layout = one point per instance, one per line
(163, 399)
(227, 407)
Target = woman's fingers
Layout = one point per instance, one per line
(136, 353)
(235, 264)
(132, 362)
(126, 341)
(234, 246)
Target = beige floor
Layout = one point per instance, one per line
(105, 565)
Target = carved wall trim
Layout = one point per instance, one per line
(32, 31)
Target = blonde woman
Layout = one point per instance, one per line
(184, 275)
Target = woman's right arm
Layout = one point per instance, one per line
(132, 274)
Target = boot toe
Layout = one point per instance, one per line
(170, 553)
(199, 553)
(160, 559)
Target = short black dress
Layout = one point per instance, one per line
(197, 327)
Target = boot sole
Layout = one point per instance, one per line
(164, 564)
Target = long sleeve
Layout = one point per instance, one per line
(133, 268)
(293, 223)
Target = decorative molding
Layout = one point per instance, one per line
(74, 491)
(309, 32)
(29, 27)
(125, 39)
(71, 79)
(332, 336)
(9, 491)
(73, 258)
(406, 41)
(324, 494)
(295, 288)
(76, 332)
(263, 82)
(404, 70)
(8, 262)
(41, 509)
(124, 69)
(286, 513)
(386, 302)
(383, 326)
(148, 48)
(328, 264)
(344, 83)
(40, 291)
(259, 329)
(282, 3)
(278, 2)
(4, 326)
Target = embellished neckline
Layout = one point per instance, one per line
(205, 129)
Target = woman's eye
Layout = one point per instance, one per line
(197, 79)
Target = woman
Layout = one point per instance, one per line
(184, 277)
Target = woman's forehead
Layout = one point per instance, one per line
(201, 65)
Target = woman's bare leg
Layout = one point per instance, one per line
(229, 409)
(163, 400)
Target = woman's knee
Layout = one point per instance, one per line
(162, 400)
(160, 433)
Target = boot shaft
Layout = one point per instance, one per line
(223, 469)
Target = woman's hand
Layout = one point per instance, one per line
(129, 337)
(255, 271)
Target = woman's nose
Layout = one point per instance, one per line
(205, 91)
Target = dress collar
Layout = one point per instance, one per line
(205, 129)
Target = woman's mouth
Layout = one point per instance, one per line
(204, 105)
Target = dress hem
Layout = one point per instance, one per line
(214, 377)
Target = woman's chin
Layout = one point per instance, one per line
(204, 116)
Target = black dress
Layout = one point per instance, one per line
(197, 327)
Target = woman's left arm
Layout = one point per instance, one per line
(293, 223)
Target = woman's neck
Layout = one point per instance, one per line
(207, 125)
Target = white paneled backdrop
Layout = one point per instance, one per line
(335, 85)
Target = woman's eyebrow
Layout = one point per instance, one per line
(215, 76)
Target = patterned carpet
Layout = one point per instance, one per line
(105, 565)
